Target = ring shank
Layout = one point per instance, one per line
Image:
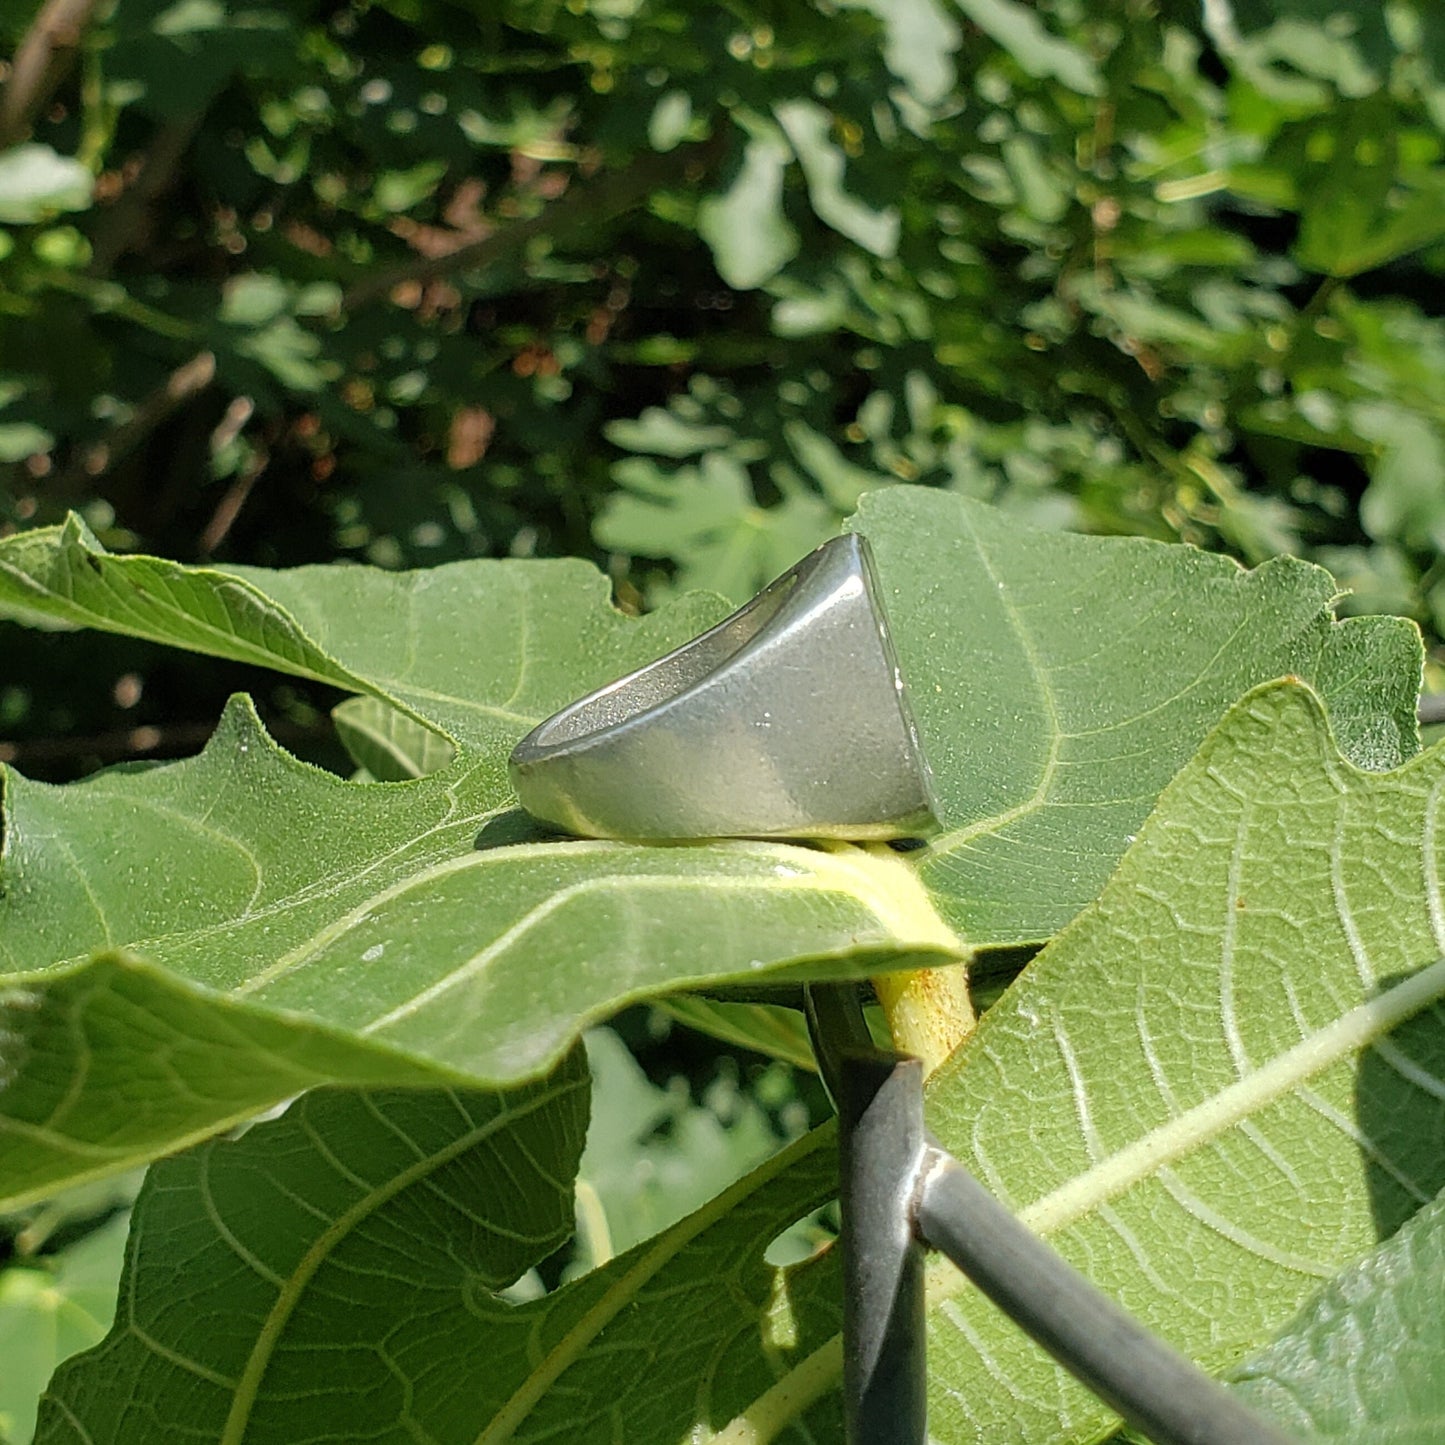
(787, 719)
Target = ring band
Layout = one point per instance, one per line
(788, 719)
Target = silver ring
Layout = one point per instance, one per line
(787, 720)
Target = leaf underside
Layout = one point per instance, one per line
(354, 1248)
(1218, 1087)
(1225, 1080)
(1364, 1362)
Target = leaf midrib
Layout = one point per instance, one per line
(232, 642)
(570, 1346)
(950, 842)
(957, 838)
(878, 881)
(1349, 1034)
(1152, 1152)
(289, 1296)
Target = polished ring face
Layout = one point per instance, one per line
(787, 720)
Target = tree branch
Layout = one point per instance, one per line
(120, 228)
(599, 200)
(187, 380)
(41, 62)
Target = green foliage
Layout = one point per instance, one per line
(383, 931)
(50, 1308)
(1060, 681)
(1150, 272)
(35, 182)
(411, 1205)
(402, 282)
(685, 1307)
(1214, 1089)
(1365, 1360)
(1221, 1083)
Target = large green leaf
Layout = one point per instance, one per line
(50, 1308)
(383, 933)
(295, 921)
(388, 993)
(1223, 1082)
(1364, 1362)
(344, 1244)
(345, 1258)
(1220, 1085)
(481, 649)
(1060, 681)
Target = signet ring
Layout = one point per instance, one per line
(788, 719)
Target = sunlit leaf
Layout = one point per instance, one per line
(36, 182)
(1018, 29)
(379, 933)
(358, 1241)
(1223, 1082)
(1016, 644)
(1364, 1361)
(807, 127)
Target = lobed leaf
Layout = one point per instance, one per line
(399, 990)
(350, 1246)
(62, 577)
(377, 933)
(481, 650)
(1207, 1141)
(342, 1245)
(292, 923)
(1224, 1081)
(1060, 681)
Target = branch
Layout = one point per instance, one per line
(598, 201)
(592, 204)
(121, 226)
(234, 498)
(187, 380)
(42, 61)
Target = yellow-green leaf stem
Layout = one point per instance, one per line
(929, 1011)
